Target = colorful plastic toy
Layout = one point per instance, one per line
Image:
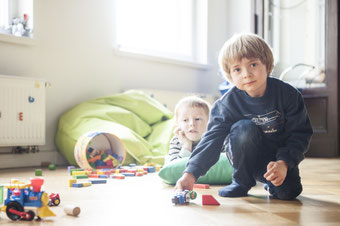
(54, 199)
(21, 195)
(183, 197)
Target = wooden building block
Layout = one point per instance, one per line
(209, 200)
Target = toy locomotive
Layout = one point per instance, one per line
(26, 200)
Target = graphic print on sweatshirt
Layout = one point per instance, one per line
(270, 122)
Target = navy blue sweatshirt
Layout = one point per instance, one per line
(280, 113)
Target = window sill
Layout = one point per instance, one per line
(162, 59)
(20, 40)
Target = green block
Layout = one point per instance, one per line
(51, 167)
(1, 194)
(78, 169)
(80, 176)
(92, 165)
(38, 172)
(104, 156)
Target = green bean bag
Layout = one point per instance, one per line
(142, 123)
(220, 173)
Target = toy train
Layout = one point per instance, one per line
(26, 200)
(183, 197)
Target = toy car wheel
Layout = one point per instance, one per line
(31, 215)
(56, 201)
(14, 206)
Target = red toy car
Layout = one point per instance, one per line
(54, 199)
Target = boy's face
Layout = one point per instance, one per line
(249, 75)
(192, 121)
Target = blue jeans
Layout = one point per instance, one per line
(249, 155)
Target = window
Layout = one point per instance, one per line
(3, 13)
(16, 17)
(296, 31)
(172, 29)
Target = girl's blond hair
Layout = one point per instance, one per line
(245, 45)
(192, 101)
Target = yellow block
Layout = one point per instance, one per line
(71, 181)
(76, 173)
(3, 209)
(150, 164)
(87, 184)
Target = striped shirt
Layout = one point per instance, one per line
(177, 151)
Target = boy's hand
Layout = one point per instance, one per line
(186, 182)
(186, 143)
(276, 172)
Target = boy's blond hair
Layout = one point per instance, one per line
(192, 101)
(245, 45)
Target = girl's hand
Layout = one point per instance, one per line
(276, 172)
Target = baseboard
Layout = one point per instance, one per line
(30, 159)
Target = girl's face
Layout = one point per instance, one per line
(192, 121)
(249, 75)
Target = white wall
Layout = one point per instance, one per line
(74, 53)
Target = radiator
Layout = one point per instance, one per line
(22, 111)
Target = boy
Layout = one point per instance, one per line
(191, 115)
(262, 123)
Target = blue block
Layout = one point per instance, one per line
(103, 176)
(98, 181)
(77, 185)
(128, 174)
(90, 150)
(151, 169)
(100, 163)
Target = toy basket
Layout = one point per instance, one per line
(98, 150)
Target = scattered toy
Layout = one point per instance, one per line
(38, 172)
(72, 210)
(54, 199)
(183, 197)
(52, 167)
(209, 200)
(202, 186)
(21, 195)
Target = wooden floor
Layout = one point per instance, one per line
(147, 201)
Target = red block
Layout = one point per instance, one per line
(203, 186)
(93, 175)
(209, 200)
